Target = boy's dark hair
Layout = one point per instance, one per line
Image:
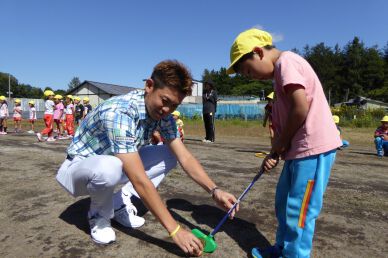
(247, 56)
(173, 74)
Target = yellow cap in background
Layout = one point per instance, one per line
(58, 96)
(336, 119)
(48, 93)
(176, 113)
(271, 95)
(245, 42)
(2, 98)
(17, 101)
(86, 99)
(31, 102)
(385, 119)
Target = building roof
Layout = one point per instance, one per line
(106, 87)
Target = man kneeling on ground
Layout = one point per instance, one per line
(111, 147)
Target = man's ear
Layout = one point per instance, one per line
(149, 85)
(259, 51)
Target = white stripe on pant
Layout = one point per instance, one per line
(98, 175)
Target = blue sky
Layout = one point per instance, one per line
(48, 42)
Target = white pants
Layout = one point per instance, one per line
(98, 175)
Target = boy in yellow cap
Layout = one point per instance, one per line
(87, 107)
(4, 114)
(381, 138)
(48, 117)
(32, 115)
(305, 137)
(179, 123)
(345, 143)
(17, 116)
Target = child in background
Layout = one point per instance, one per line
(58, 112)
(87, 107)
(345, 143)
(3, 115)
(381, 138)
(79, 110)
(268, 115)
(17, 116)
(179, 123)
(48, 117)
(32, 120)
(69, 116)
(305, 137)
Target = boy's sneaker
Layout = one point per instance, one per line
(380, 154)
(30, 131)
(127, 216)
(273, 252)
(101, 230)
(39, 136)
(51, 139)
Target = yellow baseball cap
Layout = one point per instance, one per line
(58, 96)
(86, 99)
(336, 119)
(271, 95)
(69, 96)
(31, 102)
(176, 113)
(17, 101)
(76, 98)
(2, 98)
(48, 93)
(245, 42)
(385, 119)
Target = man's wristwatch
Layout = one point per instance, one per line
(213, 190)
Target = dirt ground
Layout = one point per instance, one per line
(39, 219)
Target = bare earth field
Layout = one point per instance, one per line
(39, 219)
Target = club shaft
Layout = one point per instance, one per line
(215, 230)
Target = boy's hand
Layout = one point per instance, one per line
(189, 244)
(270, 161)
(225, 201)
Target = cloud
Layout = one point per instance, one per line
(276, 37)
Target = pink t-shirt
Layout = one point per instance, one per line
(57, 111)
(318, 134)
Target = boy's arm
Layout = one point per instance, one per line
(133, 168)
(196, 172)
(296, 117)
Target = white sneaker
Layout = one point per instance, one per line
(30, 131)
(127, 217)
(101, 230)
(51, 139)
(39, 135)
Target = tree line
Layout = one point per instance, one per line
(348, 72)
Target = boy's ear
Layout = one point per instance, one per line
(259, 51)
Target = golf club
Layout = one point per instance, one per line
(210, 244)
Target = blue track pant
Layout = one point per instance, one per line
(299, 198)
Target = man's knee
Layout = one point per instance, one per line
(109, 170)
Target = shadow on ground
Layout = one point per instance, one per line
(76, 215)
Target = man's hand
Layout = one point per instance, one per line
(225, 201)
(189, 244)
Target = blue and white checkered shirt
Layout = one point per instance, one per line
(119, 125)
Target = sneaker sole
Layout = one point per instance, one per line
(101, 243)
(128, 226)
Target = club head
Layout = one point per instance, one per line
(210, 244)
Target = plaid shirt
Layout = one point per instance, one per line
(119, 125)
